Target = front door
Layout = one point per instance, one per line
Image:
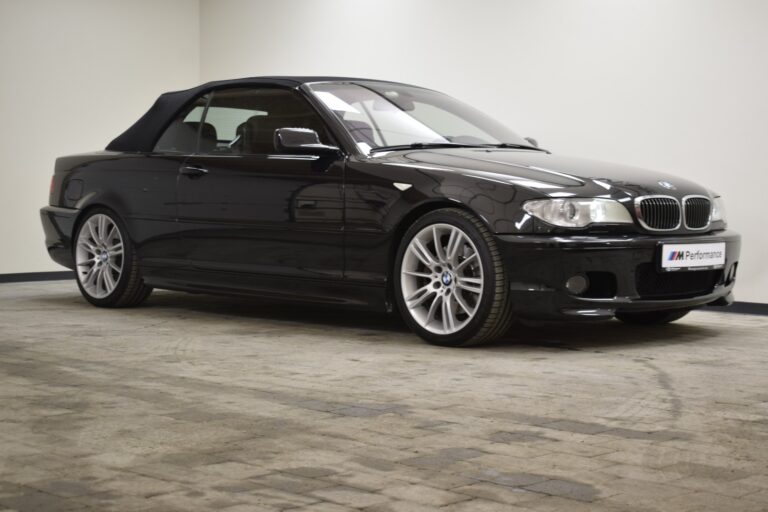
(244, 208)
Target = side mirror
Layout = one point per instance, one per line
(302, 141)
(533, 142)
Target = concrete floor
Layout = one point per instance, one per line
(203, 403)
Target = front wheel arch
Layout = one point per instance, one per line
(492, 316)
(398, 232)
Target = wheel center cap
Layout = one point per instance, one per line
(104, 256)
(446, 278)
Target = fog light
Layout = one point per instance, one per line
(577, 284)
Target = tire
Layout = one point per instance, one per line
(461, 279)
(652, 317)
(107, 270)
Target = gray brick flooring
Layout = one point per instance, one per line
(202, 403)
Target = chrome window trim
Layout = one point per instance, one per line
(639, 215)
(709, 217)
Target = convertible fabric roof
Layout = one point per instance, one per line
(141, 136)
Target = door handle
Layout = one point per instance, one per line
(193, 172)
(306, 204)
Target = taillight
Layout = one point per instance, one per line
(50, 191)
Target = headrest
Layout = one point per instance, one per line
(360, 131)
(208, 136)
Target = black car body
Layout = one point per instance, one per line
(322, 220)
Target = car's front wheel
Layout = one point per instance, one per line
(450, 283)
(107, 269)
(652, 317)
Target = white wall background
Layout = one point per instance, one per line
(73, 75)
(679, 86)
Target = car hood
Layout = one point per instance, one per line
(548, 174)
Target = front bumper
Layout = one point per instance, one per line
(624, 268)
(59, 227)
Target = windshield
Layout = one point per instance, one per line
(381, 115)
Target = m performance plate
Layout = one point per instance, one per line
(692, 256)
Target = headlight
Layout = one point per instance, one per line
(578, 213)
(718, 209)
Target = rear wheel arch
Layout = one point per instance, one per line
(101, 198)
(82, 216)
(85, 211)
(128, 288)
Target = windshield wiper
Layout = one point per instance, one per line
(512, 145)
(421, 145)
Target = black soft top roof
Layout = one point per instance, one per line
(141, 136)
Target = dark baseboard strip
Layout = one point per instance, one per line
(36, 276)
(742, 308)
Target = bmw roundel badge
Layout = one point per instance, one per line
(667, 185)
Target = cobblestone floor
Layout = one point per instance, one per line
(203, 403)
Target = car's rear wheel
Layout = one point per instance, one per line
(450, 284)
(107, 269)
(652, 317)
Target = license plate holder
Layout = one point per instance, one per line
(687, 256)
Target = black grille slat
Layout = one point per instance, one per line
(697, 211)
(652, 284)
(659, 213)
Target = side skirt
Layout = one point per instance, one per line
(316, 291)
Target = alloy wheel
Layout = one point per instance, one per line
(441, 278)
(99, 255)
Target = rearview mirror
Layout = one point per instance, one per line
(302, 141)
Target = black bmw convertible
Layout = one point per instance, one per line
(380, 195)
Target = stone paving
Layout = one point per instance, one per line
(203, 403)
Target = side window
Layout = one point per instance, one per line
(181, 134)
(243, 121)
